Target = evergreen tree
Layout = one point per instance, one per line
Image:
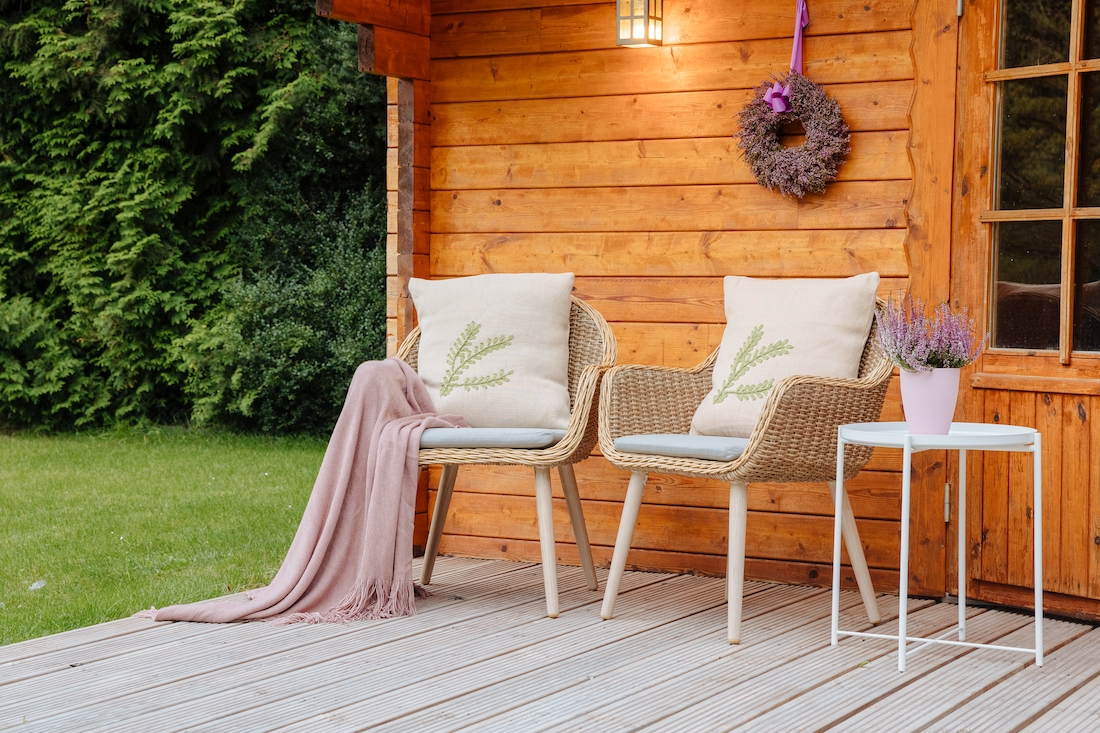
(191, 212)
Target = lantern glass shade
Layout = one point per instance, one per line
(639, 23)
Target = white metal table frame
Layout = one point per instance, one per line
(962, 437)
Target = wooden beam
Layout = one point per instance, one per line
(931, 149)
(389, 52)
(1054, 604)
(1026, 383)
(867, 106)
(774, 253)
(858, 57)
(555, 27)
(410, 16)
(413, 205)
(875, 156)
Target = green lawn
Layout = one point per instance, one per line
(114, 523)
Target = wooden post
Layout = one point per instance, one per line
(931, 150)
(408, 163)
(413, 201)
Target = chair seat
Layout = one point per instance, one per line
(490, 437)
(705, 447)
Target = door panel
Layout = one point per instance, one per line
(1000, 512)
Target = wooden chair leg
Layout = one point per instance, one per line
(735, 565)
(439, 516)
(576, 518)
(631, 504)
(544, 507)
(850, 533)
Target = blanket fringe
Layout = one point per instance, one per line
(374, 601)
(150, 613)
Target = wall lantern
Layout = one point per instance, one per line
(638, 23)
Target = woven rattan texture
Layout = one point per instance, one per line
(592, 351)
(794, 439)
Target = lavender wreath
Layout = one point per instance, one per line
(795, 171)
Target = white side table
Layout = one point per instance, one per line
(963, 437)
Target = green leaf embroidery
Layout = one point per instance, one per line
(745, 360)
(464, 354)
(753, 391)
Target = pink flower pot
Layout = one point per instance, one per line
(928, 399)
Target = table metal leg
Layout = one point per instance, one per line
(903, 575)
(839, 497)
(1037, 455)
(964, 569)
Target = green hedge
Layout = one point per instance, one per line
(191, 213)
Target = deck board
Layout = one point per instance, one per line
(647, 688)
(1026, 695)
(480, 655)
(931, 697)
(235, 676)
(876, 679)
(608, 663)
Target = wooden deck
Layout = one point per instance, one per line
(481, 656)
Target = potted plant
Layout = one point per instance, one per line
(929, 352)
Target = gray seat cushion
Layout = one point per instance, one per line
(706, 447)
(490, 438)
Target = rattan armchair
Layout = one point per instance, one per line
(795, 440)
(591, 352)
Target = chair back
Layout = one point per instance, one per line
(591, 343)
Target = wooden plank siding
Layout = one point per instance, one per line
(868, 106)
(553, 150)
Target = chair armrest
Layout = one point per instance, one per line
(637, 399)
(796, 435)
(581, 435)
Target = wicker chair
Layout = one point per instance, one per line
(591, 351)
(795, 440)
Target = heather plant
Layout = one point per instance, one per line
(916, 343)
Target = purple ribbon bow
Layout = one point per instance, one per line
(779, 97)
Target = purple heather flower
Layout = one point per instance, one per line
(916, 343)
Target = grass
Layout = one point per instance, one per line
(117, 522)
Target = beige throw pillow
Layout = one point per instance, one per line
(782, 328)
(495, 348)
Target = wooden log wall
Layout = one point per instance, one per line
(553, 150)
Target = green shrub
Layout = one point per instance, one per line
(280, 352)
(161, 165)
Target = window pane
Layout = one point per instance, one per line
(1088, 177)
(1036, 32)
(1086, 299)
(1033, 143)
(1027, 277)
(1092, 30)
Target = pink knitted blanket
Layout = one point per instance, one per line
(351, 558)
